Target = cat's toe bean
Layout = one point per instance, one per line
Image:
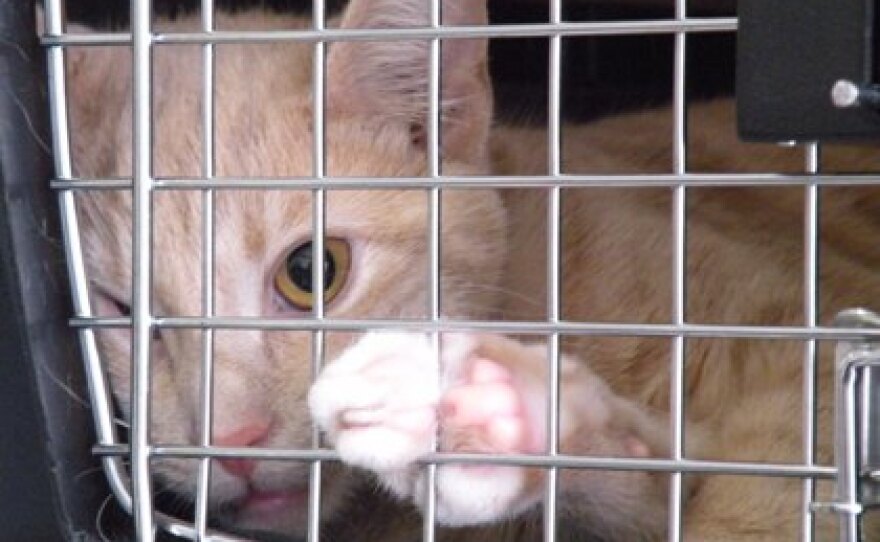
(485, 370)
(508, 433)
(478, 404)
(487, 412)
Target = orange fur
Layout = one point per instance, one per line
(744, 260)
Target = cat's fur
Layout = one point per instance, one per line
(744, 398)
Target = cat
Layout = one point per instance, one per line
(382, 397)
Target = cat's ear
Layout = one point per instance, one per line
(388, 80)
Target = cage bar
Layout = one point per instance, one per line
(42, 391)
(679, 273)
(780, 470)
(208, 305)
(554, 211)
(318, 235)
(476, 182)
(143, 321)
(141, 310)
(99, 388)
(434, 155)
(812, 163)
(622, 329)
(95, 378)
(604, 28)
(851, 366)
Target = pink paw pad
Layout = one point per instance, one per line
(487, 408)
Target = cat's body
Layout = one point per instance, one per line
(744, 265)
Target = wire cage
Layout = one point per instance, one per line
(553, 64)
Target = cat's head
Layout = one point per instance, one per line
(377, 240)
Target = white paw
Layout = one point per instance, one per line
(377, 401)
(385, 402)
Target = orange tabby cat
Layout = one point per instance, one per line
(382, 397)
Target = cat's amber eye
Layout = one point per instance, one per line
(293, 279)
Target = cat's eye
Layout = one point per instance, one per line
(293, 279)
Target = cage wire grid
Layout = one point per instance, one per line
(135, 492)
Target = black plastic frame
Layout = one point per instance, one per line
(789, 55)
(49, 487)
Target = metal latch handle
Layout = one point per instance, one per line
(857, 424)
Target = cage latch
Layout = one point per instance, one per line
(857, 424)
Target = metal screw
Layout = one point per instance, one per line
(845, 94)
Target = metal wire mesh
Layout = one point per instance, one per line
(137, 495)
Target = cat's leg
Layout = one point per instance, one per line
(495, 401)
(759, 429)
(384, 400)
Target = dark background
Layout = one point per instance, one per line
(602, 75)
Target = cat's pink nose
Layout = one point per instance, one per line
(252, 434)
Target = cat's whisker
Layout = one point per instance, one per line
(99, 517)
(465, 309)
(64, 387)
(468, 288)
(87, 472)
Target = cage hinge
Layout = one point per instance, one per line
(857, 424)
